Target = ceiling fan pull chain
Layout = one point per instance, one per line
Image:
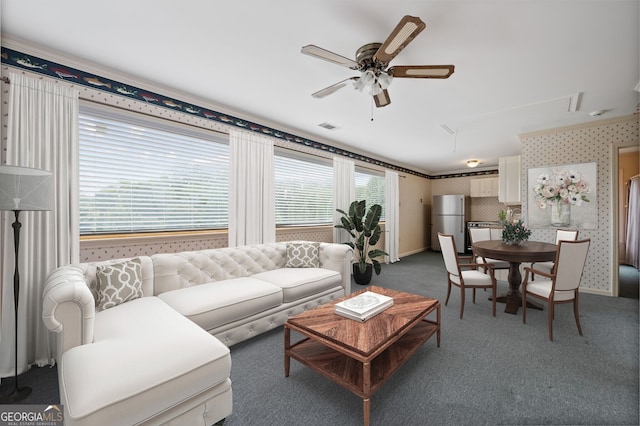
(372, 108)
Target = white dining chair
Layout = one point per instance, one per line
(484, 234)
(561, 235)
(471, 278)
(560, 286)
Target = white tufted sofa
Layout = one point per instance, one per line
(163, 358)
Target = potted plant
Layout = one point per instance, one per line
(365, 230)
(514, 233)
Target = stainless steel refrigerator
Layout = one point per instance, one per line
(449, 215)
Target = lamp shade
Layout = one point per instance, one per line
(24, 188)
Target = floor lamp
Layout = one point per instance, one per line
(22, 189)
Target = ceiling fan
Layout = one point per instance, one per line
(373, 59)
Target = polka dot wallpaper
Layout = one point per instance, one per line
(589, 143)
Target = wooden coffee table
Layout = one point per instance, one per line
(361, 356)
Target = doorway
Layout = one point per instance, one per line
(628, 168)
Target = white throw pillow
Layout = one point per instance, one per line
(303, 255)
(118, 283)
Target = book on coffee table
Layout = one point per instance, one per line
(363, 306)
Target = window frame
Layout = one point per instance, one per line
(280, 152)
(136, 119)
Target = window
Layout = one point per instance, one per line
(304, 189)
(370, 186)
(140, 174)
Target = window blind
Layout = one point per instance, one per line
(139, 174)
(304, 189)
(370, 186)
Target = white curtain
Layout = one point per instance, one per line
(344, 192)
(42, 133)
(251, 190)
(633, 223)
(392, 216)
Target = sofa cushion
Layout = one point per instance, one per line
(118, 283)
(143, 351)
(214, 304)
(298, 283)
(303, 255)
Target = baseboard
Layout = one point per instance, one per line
(409, 253)
(595, 291)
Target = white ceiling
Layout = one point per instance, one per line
(518, 65)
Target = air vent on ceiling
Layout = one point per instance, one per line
(574, 102)
(448, 129)
(328, 126)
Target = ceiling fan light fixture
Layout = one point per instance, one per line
(472, 163)
(368, 78)
(384, 80)
(358, 84)
(375, 83)
(375, 90)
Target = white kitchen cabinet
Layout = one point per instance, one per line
(509, 177)
(486, 187)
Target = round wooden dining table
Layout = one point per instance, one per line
(527, 251)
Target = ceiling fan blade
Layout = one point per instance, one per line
(320, 53)
(382, 99)
(408, 28)
(334, 87)
(421, 71)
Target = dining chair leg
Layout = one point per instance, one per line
(462, 292)
(550, 319)
(448, 292)
(576, 313)
(493, 298)
(524, 307)
(474, 295)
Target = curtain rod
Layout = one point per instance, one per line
(634, 177)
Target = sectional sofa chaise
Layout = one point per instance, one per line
(146, 340)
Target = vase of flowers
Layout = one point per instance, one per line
(514, 233)
(560, 214)
(560, 191)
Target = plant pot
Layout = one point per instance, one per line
(512, 242)
(362, 278)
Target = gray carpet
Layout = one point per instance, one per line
(488, 371)
(628, 282)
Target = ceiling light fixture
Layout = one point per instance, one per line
(375, 81)
(472, 163)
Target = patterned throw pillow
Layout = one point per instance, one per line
(118, 283)
(303, 255)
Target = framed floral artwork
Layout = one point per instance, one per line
(563, 197)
